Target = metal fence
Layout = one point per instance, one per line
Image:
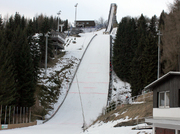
(141, 98)
(131, 100)
(14, 115)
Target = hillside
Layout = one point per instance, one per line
(125, 116)
(122, 113)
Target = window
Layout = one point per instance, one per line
(179, 98)
(161, 99)
(164, 99)
(167, 98)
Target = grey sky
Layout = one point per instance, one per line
(86, 9)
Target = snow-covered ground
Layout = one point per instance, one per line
(92, 77)
(107, 128)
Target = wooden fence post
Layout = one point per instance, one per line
(1, 114)
(26, 114)
(20, 114)
(29, 114)
(5, 115)
(9, 115)
(23, 113)
(13, 114)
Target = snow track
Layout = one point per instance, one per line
(72, 79)
(93, 82)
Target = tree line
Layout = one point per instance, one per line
(170, 39)
(135, 49)
(21, 54)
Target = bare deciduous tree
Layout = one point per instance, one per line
(171, 38)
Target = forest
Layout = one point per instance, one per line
(21, 56)
(135, 55)
(136, 47)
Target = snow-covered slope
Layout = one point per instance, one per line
(92, 80)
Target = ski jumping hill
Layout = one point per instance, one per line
(111, 18)
(86, 97)
(89, 90)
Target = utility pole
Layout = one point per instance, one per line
(58, 20)
(45, 75)
(75, 14)
(159, 37)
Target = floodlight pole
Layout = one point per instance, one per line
(159, 37)
(75, 14)
(58, 20)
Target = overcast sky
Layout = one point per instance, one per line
(86, 9)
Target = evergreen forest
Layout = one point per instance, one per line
(21, 56)
(135, 49)
(135, 52)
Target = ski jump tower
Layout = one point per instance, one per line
(111, 18)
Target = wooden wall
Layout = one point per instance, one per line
(171, 84)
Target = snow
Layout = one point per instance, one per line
(107, 128)
(92, 81)
(121, 89)
(116, 114)
(137, 102)
(123, 112)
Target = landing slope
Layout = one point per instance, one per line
(93, 83)
(92, 78)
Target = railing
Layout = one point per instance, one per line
(141, 98)
(71, 81)
(14, 115)
(132, 100)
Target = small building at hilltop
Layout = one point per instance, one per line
(85, 24)
(166, 104)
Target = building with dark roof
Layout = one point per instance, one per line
(166, 104)
(85, 24)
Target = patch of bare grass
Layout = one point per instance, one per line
(52, 62)
(133, 111)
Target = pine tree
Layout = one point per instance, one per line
(150, 60)
(1, 25)
(117, 50)
(45, 28)
(161, 20)
(124, 46)
(65, 28)
(24, 69)
(34, 49)
(7, 81)
(137, 68)
(150, 53)
(137, 62)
